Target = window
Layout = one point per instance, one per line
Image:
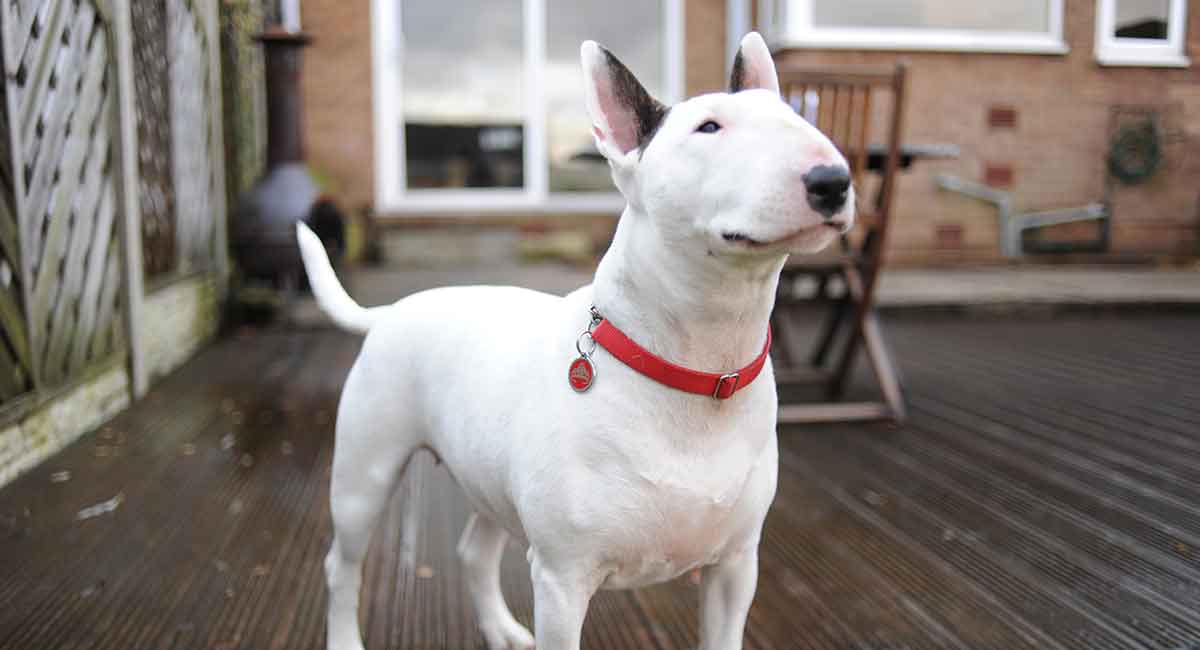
(479, 104)
(1141, 32)
(1025, 26)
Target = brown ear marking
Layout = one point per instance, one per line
(737, 78)
(648, 112)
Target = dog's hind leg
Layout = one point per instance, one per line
(368, 460)
(481, 548)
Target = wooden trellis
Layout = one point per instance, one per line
(151, 80)
(61, 244)
(72, 145)
(174, 90)
(14, 344)
(193, 137)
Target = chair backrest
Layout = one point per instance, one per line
(842, 101)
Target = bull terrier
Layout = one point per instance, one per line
(625, 433)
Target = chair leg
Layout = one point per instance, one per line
(822, 291)
(780, 339)
(866, 329)
(845, 365)
(886, 372)
(833, 322)
(784, 337)
(841, 373)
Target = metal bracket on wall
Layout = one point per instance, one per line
(1013, 225)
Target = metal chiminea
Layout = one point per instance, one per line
(263, 232)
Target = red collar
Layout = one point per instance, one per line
(716, 385)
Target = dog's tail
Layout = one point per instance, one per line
(329, 293)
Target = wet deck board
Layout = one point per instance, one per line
(1046, 494)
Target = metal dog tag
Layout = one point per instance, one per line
(581, 374)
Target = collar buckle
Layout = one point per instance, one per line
(719, 392)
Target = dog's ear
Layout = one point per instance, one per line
(624, 115)
(753, 66)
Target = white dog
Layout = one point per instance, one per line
(573, 434)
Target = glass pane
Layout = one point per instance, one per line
(633, 31)
(1142, 19)
(993, 15)
(462, 94)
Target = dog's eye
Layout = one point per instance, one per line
(708, 127)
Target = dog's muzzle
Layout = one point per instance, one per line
(827, 187)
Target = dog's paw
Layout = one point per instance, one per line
(507, 635)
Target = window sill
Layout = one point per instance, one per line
(1116, 58)
(852, 39)
(460, 203)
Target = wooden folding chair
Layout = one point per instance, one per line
(840, 102)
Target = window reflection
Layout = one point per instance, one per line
(457, 155)
(462, 93)
(631, 29)
(1142, 19)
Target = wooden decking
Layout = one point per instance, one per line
(1046, 494)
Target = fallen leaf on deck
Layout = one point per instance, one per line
(92, 590)
(102, 508)
(425, 572)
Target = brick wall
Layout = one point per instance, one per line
(704, 46)
(339, 131)
(1056, 150)
(1054, 154)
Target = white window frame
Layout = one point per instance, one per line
(789, 25)
(392, 195)
(1114, 51)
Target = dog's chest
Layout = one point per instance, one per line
(680, 533)
(678, 511)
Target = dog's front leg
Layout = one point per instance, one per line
(561, 594)
(726, 590)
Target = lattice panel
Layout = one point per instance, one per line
(60, 104)
(14, 343)
(151, 80)
(192, 133)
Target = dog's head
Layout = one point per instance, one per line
(738, 173)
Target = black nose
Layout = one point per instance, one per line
(827, 186)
